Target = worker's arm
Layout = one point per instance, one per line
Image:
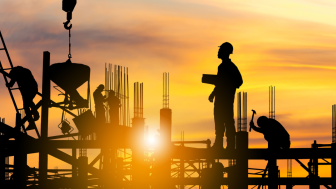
(11, 75)
(259, 130)
(212, 95)
(104, 98)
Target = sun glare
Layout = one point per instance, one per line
(151, 141)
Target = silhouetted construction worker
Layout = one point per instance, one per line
(114, 104)
(99, 103)
(275, 134)
(228, 80)
(28, 88)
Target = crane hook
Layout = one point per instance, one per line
(66, 25)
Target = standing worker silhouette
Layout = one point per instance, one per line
(228, 80)
(275, 134)
(114, 104)
(28, 88)
(99, 103)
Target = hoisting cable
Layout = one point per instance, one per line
(69, 55)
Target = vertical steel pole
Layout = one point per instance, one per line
(74, 167)
(333, 147)
(333, 166)
(273, 168)
(20, 157)
(3, 158)
(241, 175)
(43, 155)
(83, 172)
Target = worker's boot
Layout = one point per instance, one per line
(218, 144)
(231, 143)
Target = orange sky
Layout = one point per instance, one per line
(289, 44)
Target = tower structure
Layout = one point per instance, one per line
(163, 159)
(139, 169)
(165, 114)
(271, 100)
(241, 144)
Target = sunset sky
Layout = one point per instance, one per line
(289, 44)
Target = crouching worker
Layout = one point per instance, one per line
(275, 134)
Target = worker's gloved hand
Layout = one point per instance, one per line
(211, 97)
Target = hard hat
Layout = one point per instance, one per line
(262, 121)
(227, 46)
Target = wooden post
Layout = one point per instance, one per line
(83, 172)
(333, 166)
(314, 169)
(139, 171)
(20, 157)
(3, 157)
(74, 167)
(273, 168)
(43, 155)
(241, 177)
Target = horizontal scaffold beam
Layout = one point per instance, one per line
(260, 181)
(254, 153)
(123, 139)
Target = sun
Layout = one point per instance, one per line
(151, 141)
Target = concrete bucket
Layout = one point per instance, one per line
(69, 76)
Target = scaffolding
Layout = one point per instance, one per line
(122, 159)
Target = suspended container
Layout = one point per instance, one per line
(69, 77)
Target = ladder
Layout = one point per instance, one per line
(6, 81)
(11, 89)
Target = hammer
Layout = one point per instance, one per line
(254, 112)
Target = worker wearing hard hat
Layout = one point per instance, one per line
(114, 104)
(228, 80)
(275, 134)
(99, 100)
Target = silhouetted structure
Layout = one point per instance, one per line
(116, 79)
(226, 82)
(123, 158)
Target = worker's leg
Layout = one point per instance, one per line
(219, 127)
(28, 95)
(100, 114)
(29, 115)
(229, 125)
(114, 117)
(33, 107)
(219, 121)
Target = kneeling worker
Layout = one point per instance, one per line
(275, 134)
